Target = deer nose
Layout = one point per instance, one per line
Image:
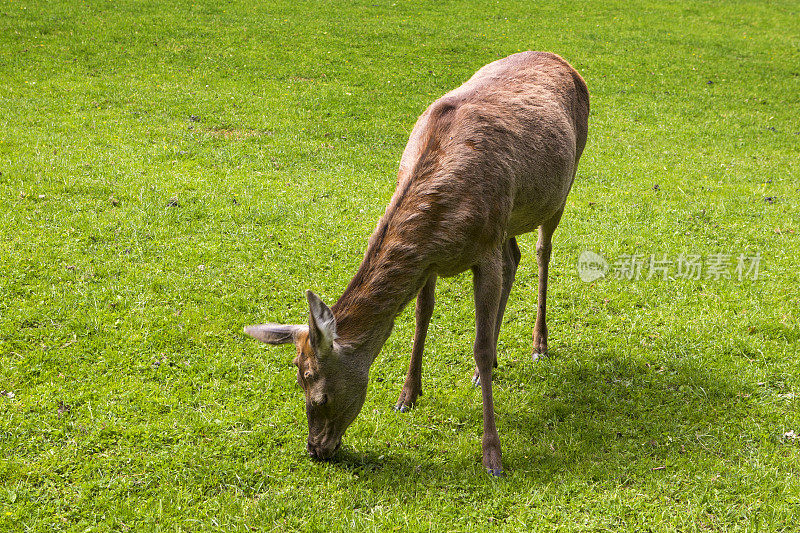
(321, 451)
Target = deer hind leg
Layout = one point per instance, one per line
(511, 259)
(543, 248)
(488, 286)
(412, 388)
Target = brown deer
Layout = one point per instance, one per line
(490, 160)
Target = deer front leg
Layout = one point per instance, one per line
(543, 248)
(511, 259)
(488, 281)
(412, 388)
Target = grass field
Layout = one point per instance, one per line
(172, 171)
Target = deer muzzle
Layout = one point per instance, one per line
(323, 450)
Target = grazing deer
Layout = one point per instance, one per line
(486, 162)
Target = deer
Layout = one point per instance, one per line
(490, 160)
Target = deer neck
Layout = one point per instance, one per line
(389, 277)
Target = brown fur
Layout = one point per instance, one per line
(490, 160)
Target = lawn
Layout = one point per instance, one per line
(173, 171)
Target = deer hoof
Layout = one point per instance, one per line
(495, 472)
(476, 378)
(536, 356)
(402, 408)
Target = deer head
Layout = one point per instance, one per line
(334, 388)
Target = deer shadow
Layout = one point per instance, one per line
(581, 418)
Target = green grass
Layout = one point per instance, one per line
(172, 171)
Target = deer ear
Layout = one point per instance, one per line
(321, 325)
(275, 333)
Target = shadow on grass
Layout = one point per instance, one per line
(609, 417)
(372, 462)
(618, 416)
